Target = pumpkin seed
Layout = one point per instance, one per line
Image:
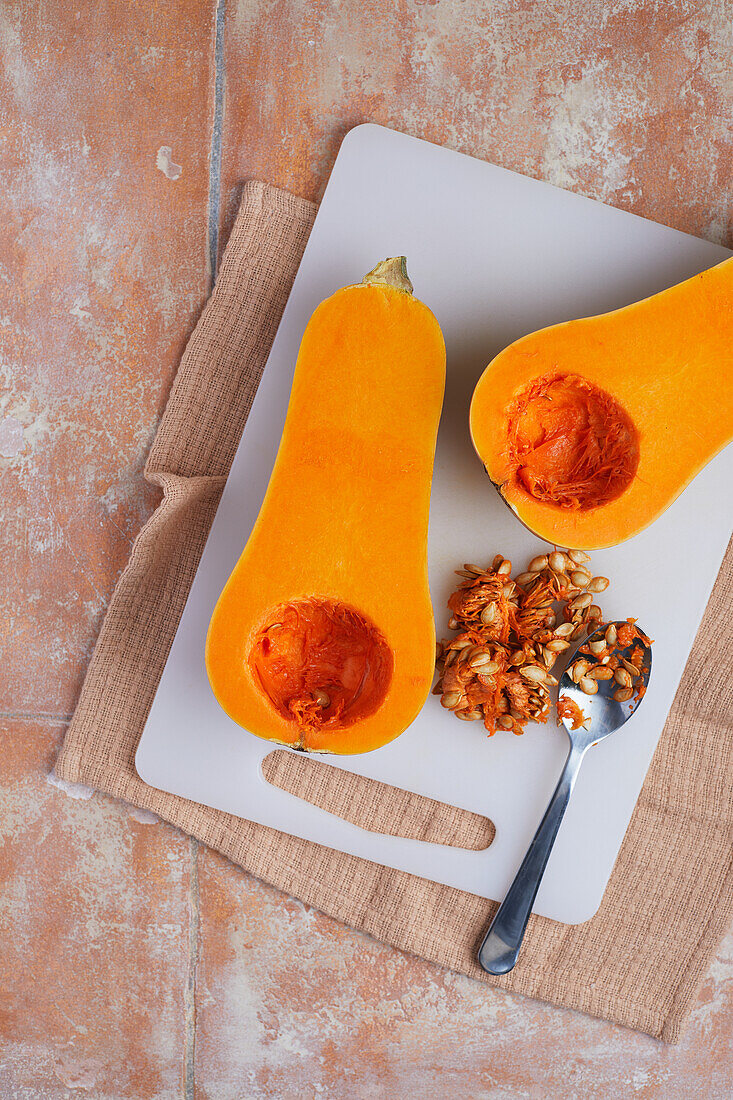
(508, 590)
(631, 669)
(599, 584)
(322, 698)
(597, 647)
(556, 561)
(480, 660)
(505, 568)
(600, 672)
(453, 623)
(534, 673)
(588, 685)
(489, 669)
(488, 614)
(469, 715)
(581, 602)
(623, 694)
(611, 635)
(450, 700)
(505, 722)
(578, 556)
(538, 564)
(473, 568)
(622, 677)
(558, 645)
(524, 579)
(579, 669)
(580, 578)
(564, 630)
(594, 613)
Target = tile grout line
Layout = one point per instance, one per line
(35, 716)
(212, 225)
(214, 210)
(189, 1064)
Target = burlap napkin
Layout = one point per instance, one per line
(640, 959)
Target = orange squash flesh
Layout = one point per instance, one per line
(323, 637)
(590, 429)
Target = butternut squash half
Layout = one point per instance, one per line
(323, 638)
(591, 429)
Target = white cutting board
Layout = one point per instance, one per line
(495, 255)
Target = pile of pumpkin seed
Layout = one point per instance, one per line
(497, 668)
(601, 659)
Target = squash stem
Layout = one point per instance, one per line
(392, 272)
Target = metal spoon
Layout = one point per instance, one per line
(499, 951)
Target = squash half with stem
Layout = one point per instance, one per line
(323, 638)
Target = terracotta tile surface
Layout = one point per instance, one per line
(131, 965)
(94, 928)
(291, 1004)
(103, 269)
(627, 101)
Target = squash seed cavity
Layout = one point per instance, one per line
(321, 663)
(570, 444)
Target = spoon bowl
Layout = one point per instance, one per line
(602, 715)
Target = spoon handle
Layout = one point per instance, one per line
(499, 951)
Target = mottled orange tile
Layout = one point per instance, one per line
(103, 270)
(94, 936)
(104, 169)
(627, 102)
(291, 1004)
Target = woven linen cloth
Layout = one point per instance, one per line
(640, 959)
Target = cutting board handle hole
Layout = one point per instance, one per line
(377, 806)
